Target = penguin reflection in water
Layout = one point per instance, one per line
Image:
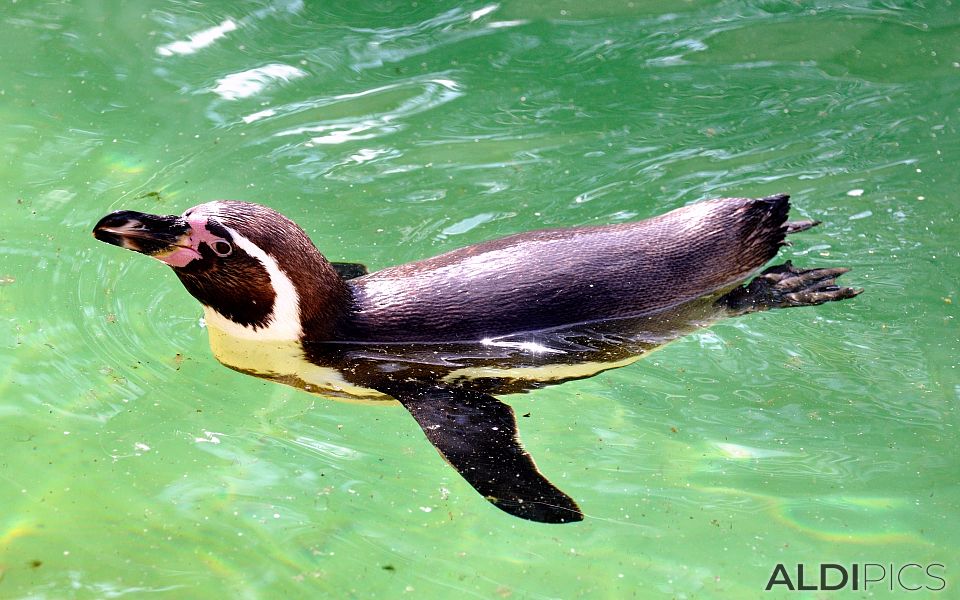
(445, 335)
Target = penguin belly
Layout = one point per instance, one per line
(284, 361)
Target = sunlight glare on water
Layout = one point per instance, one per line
(135, 465)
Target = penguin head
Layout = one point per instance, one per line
(255, 271)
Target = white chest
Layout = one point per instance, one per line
(283, 361)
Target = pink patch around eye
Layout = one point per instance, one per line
(183, 255)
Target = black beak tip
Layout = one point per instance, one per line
(144, 233)
(117, 218)
(106, 228)
(107, 236)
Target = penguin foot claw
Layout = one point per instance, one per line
(798, 226)
(784, 286)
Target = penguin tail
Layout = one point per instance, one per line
(764, 226)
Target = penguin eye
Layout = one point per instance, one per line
(222, 248)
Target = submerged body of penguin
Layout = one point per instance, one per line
(444, 335)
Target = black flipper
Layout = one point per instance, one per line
(349, 270)
(477, 435)
(784, 286)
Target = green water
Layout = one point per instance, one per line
(133, 465)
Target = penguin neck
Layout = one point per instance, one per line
(324, 297)
(310, 299)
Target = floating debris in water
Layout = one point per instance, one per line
(856, 193)
(153, 195)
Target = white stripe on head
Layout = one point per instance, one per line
(283, 323)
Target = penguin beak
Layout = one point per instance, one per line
(153, 235)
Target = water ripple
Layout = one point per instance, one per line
(304, 127)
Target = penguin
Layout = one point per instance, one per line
(446, 335)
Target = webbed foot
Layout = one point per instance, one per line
(783, 286)
(798, 226)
